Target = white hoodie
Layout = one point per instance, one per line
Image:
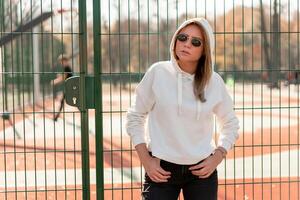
(180, 126)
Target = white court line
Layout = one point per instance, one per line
(282, 165)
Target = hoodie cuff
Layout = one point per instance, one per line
(137, 139)
(226, 145)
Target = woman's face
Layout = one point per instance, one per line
(188, 50)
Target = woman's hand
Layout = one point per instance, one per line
(152, 165)
(154, 170)
(208, 166)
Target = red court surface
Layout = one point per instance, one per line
(265, 163)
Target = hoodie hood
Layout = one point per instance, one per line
(209, 32)
(180, 73)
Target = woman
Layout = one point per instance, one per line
(180, 98)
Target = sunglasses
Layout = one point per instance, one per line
(183, 38)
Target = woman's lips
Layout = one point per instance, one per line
(185, 52)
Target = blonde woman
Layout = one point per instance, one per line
(180, 98)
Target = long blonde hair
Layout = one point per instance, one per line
(204, 68)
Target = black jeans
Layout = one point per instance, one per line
(192, 186)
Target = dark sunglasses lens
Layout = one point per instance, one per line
(182, 37)
(196, 42)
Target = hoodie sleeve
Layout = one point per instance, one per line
(229, 123)
(143, 102)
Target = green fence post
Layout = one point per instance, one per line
(98, 100)
(83, 110)
(4, 55)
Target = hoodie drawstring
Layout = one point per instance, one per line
(179, 97)
(179, 92)
(211, 42)
(198, 109)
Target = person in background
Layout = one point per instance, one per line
(63, 60)
(180, 98)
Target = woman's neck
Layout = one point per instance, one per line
(188, 67)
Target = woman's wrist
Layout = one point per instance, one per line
(143, 153)
(222, 151)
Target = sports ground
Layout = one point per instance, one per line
(265, 163)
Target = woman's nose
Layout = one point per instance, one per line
(187, 43)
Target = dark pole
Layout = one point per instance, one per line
(265, 39)
(4, 61)
(275, 46)
(83, 110)
(10, 36)
(98, 100)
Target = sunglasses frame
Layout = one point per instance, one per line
(182, 37)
